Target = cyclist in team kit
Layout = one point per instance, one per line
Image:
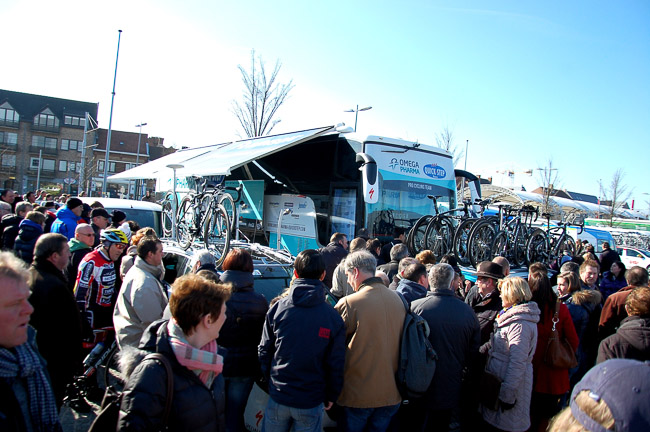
(95, 287)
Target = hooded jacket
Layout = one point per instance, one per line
(141, 301)
(242, 331)
(195, 407)
(302, 352)
(631, 341)
(510, 358)
(28, 233)
(411, 291)
(65, 223)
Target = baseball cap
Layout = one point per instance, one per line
(624, 385)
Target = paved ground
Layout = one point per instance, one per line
(75, 422)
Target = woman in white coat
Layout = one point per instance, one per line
(510, 356)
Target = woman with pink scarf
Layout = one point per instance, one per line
(189, 342)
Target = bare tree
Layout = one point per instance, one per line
(616, 195)
(445, 140)
(261, 99)
(549, 178)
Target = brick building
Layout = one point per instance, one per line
(42, 144)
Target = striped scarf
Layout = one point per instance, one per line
(204, 362)
(23, 363)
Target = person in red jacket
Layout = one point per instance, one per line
(549, 383)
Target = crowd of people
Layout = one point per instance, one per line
(328, 345)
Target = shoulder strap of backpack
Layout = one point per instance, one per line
(170, 383)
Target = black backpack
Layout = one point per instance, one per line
(106, 420)
(417, 358)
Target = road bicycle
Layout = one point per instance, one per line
(510, 240)
(100, 370)
(547, 245)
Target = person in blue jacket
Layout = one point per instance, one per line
(302, 352)
(68, 217)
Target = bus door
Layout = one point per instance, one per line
(345, 208)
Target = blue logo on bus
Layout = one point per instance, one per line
(434, 171)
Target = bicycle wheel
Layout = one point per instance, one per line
(519, 248)
(537, 247)
(185, 222)
(461, 236)
(480, 241)
(229, 205)
(109, 374)
(167, 213)
(438, 236)
(216, 234)
(415, 239)
(499, 246)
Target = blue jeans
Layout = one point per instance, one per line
(367, 419)
(280, 418)
(237, 391)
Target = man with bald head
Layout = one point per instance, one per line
(80, 245)
(503, 262)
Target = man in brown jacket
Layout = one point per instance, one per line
(374, 318)
(614, 309)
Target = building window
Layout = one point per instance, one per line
(46, 120)
(67, 144)
(8, 138)
(63, 165)
(100, 166)
(74, 121)
(8, 114)
(48, 164)
(44, 142)
(33, 163)
(73, 166)
(121, 143)
(9, 160)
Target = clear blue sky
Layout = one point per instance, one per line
(523, 81)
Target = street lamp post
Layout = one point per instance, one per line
(175, 200)
(137, 156)
(356, 114)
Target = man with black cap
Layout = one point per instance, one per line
(117, 218)
(99, 221)
(67, 218)
(484, 297)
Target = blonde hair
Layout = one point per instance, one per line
(426, 257)
(514, 290)
(597, 410)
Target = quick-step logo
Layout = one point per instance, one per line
(434, 171)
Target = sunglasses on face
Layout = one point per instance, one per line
(120, 246)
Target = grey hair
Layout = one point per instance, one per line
(12, 267)
(570, 266)
(362, 260)
(405, 262)
(441, 276)
(398, 252)
(204, 257)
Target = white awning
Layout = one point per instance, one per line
(219, 159)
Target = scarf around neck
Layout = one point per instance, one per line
(204, 362)
(23, 363)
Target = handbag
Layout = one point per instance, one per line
(255, 407)
(489, 389)
(559, 352)
(109, 413)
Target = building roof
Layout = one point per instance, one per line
(28, 105)
(583, 197)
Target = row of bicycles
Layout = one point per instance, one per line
(632, 239)
(207, 215)
(474, 238)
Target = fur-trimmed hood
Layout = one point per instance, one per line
(129, 357)
(587, 298)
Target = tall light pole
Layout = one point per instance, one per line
(466, 148)
(38, 174)
(110, 119)
(356, 114)
(137, 156)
